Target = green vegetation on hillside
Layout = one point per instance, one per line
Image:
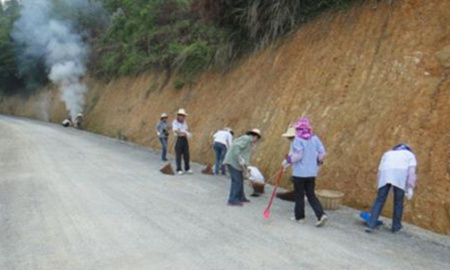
(190, 36)
(155, 34)
(182, 37)
(9, 78)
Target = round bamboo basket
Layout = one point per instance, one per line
(258, 188)
(330, 199)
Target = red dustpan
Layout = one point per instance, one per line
(267, 211)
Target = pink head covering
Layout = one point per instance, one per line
(304, 128)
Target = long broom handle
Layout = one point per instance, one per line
(280, 174)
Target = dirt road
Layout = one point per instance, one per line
(74, 200)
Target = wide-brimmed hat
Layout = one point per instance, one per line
(290, 132)
(182, 112)
(164, 115)
(254, 131)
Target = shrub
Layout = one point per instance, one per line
(178, 84)
(254, 24)
(155, 34)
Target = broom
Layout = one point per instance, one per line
(267, 211)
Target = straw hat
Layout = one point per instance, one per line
(182, 112)
(254, 131)
(290, 132)
(164, 115)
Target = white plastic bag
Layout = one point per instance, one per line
(409, 193)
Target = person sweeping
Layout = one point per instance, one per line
(222, 141)
(237, 160)
(306, 154)
(162, 131)
(290, 136)
(180, 129)
(397, 172)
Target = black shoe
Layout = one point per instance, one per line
(235, 204)
(397, 230)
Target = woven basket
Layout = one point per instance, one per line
(258, 188)
(330, 199)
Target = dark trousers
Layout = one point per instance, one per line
(221, 151)
(182, 150)
(383, 192)
(163, 141)
(237, 186)
(306, 185)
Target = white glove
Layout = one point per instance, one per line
(409, 193)
(241, 161)
(246, 173)
(285, 164)
(189, 135)
(158, 133)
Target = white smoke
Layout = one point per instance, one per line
(42, 108)
(55, 42)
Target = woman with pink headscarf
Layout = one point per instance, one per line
(306, 154)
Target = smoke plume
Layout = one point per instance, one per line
(42, 108)
(46, 35)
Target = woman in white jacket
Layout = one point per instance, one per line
(397, 170)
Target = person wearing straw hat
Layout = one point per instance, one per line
(180, 129)
(397, 171)
(222, 141)
(290, 135)
(162, 131)
(306, 154)
(237, 160)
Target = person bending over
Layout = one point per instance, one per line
(397, 172)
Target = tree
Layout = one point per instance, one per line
(9, 79)
(12, 8)
(155, 34)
